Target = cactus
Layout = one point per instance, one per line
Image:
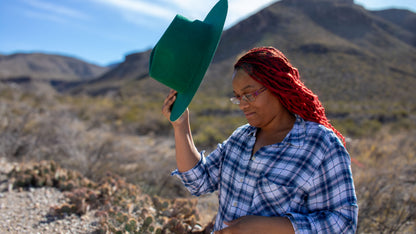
(131, 225)
(121, 206)
(63, 210)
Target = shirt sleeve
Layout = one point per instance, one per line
(204, 177)
(331, 200)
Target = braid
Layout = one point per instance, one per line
(272, 69)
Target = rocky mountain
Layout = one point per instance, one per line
(134, 67)
(47, 67)
(344, 52)
(403, 18)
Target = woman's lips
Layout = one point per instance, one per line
(248, 114)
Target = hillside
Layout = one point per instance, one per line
(46, 67)
(403, 18)
(134, 67)
(344, 52)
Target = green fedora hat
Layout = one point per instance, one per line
(182, 55)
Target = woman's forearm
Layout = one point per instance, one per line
(187, 155)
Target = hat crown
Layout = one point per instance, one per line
(176, 59)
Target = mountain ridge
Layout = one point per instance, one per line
(45, 67)
(329, 59)
(343, 51)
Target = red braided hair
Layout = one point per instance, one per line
(271, 68)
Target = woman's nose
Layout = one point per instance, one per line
(243, 104)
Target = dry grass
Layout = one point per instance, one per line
(386, 185)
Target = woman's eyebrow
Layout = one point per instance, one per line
(246, 87)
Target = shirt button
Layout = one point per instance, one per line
(253, 158)
(241, 180)
(235, 204)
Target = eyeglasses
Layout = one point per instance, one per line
(250, 97)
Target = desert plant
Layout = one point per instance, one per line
(121, 206)
(386, 187)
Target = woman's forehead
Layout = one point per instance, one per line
(242, 82)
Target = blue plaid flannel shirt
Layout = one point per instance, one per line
(307, 178)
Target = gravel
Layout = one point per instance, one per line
(27, 211)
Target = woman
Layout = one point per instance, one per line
(286, 171)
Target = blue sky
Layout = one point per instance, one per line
(104, 31)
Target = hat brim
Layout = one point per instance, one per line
(216, 17)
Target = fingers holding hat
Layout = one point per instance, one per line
(167, 108)
(168, 103)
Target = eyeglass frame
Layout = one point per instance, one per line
(250, 97)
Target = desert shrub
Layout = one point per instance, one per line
(386, 186)
(209, 130)
(213, 120)
(49, 174)
(121, 206)
(386, 204)
(363, 128)
(365, 119)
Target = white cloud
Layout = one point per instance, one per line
(198, 9)
(240, 9)
(143, 12)
(56, 12)
(191, 8)
(43, 16)
(147, 8)
(237, 9)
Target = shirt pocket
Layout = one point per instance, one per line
(271, 199)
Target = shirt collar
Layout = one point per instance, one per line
(297, 135)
